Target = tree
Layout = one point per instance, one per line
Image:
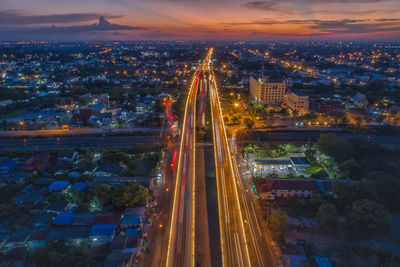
(328, 217)
(277, 220)
(129, 194)
(352, 169)
(367, 217)
(249, 123)
(310, 154)
(335, 147)
(79, 256)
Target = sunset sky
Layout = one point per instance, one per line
(199, 19)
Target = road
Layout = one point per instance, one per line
(84, 131)
(180, 249)
(74, 142)
(305, 136)
(242, 241)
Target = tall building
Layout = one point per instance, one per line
(268, 91)
(297, 101)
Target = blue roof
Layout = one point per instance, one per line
(103, 229)
(272, 162)
(299, 161)
(80, 186)
(64, 218)
(9, 164)
(322, 262)
(298, 93)
(133, 232)
(58, 185)
(131, 219)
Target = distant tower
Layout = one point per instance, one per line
(262, 71)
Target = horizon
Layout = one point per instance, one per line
(120, 20)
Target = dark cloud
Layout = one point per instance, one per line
(328, 27)
(9, 17)
(63, 32)
(264, 5)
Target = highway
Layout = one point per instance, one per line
(241, 237)
(242, 240)
(180, 249)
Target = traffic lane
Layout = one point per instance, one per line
(176, 232)
(183, 240)
(181, 244)
(263, 236)
(236, 248)
(235, 241)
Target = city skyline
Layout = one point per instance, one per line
(200, 20)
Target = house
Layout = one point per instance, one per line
(74, 174)
(263, 167)
(42, 219)
(130, 220)
(82, 115)
(102, 233)
(64, 218)
(117, 180)
(77, 234)
(108, 218)
(15, 257)
(30, 196)
(294, 256)
(84, 167)
(38, 239)
(360, 100)
(394, 114)
(123, 242)
(109, 169)
(38, 162)
(83, 219)
(18, 238)
(132, 232)
(322, 261)
(357, 115)
(68, 155)
(273, 188)
(65, 103)
(299, 163)
(58, 206)
(15, 177)
(120, 258)
(58, 186)
(43, 182)
(80, 186)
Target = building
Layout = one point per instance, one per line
(65, 103)
(268, 91)
(360, 100)
(273, 188)
(298, 102)
(264, 167)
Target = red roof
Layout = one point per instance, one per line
(109, 217)
(64, 102)
(268, 185)
(83, 115)
(37, 162)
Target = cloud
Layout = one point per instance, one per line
(332, 27)
(9, 17)
(264, 5)
(63, 32)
